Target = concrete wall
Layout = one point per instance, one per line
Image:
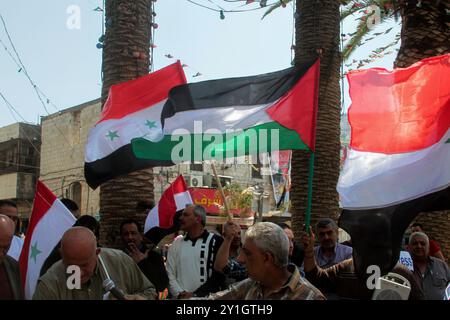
(8, 183)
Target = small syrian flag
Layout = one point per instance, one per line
(398, 164)
(173, 199)
(230, 118)
(48, 222)
(133, 109)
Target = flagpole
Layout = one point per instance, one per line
(227, 210)
(310, 181)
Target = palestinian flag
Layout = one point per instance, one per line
(218, 119)
(48, 222)
(133, 109)
(162, 218)
(398, 164)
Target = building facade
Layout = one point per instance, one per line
(20, 145)
(64, 136)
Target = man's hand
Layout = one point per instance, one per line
(185, 295)
(307, 240)
(136, 254)
(134, 297)
(230, 230)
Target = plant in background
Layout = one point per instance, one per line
(238, 199)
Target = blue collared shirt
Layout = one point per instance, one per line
(341, 253)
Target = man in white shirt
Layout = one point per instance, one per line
(191, 258)
(9, 209)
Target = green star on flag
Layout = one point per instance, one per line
(112, 135)
(448, 141)
(34, 252)
(150, 124)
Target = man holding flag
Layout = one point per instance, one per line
(49, 220)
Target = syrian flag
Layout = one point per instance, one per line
(133, 109)
(398, 164)
(226, 118)
(48, 222)
(161, 219)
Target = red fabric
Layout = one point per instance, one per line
(141, 93)
(297, 110)
(434, 248)
(43, 200)
(167, 206)
(398, 111)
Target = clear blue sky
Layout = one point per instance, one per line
(65, 64)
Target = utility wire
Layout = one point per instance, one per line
(29, 78)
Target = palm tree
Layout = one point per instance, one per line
(125, 57)
(317, 31)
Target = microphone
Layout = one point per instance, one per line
(110, 287)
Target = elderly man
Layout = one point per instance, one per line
(190, 259)
(265, 254)
(432, 273)
(329, 252)
(10, 285)
(9, 209)
(79, 248)
(435, 248)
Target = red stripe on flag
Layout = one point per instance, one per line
(297, 110)
(398, 111)
(143, 92)
(43, 200)
(167, 206)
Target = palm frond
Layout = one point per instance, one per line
(354, 6)
(361, 31)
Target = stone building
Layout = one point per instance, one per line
(19, 164)
(64, 136)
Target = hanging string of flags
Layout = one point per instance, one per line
(214, 6)
(195, 72)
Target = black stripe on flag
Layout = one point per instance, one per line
(243, 91)
(121, 161)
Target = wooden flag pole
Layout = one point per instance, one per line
(227, 210)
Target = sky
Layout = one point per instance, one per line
(65, 64)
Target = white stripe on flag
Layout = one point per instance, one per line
(375, 180)
(182, 199)
(221, 119)
(46, 235)
(132, 126)
(152, 219)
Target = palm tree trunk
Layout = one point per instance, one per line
(317, 27)
(426, 33)
(125, 57)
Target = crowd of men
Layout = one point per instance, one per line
(200, 264)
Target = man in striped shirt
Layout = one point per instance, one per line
(190, 259)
